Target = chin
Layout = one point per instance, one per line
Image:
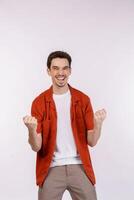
(61, 85)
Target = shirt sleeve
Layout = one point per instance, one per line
(36, 112)
(89, 115)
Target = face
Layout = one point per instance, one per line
(59, 71)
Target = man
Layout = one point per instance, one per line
(61, 127)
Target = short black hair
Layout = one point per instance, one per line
(58, 54)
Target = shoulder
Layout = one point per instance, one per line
(39, 99)
(84, 99)
(81, 95)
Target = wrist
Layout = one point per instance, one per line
(98, 124)
(32, 129)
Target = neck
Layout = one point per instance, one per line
(60, 90)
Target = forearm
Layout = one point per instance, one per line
(34, 140)
(94, 135)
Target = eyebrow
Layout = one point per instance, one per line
(58, 66)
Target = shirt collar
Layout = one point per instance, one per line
(73, 92)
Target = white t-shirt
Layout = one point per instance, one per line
(65, 151)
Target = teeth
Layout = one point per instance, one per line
(60, 78)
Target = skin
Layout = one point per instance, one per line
(60, 69)
(94, 135)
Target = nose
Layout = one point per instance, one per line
(60, 72)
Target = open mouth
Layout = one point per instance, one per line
(60, 79)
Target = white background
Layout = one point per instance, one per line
(99, 35)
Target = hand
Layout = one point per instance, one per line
(99, 116)
(30, 122)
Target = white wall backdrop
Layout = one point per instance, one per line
(99, 35)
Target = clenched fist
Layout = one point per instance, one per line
(30, 122)
(99, 116)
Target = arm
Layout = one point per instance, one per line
(35, 139)
(94, 135)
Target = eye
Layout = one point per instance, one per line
(55, 68)
(66, 68)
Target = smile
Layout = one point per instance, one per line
(60, 79)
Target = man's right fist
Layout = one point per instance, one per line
(30, 122)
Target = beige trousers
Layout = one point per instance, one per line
(70, 177)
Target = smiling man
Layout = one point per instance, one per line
(61, 127)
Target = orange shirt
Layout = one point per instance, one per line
(81, 112)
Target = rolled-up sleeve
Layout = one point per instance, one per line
(89, 115)
(36, 112)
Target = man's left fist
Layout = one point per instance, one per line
(99, 116)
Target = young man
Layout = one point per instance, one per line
(61, 126)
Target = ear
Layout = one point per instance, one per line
(70, 70)
(48, 71)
